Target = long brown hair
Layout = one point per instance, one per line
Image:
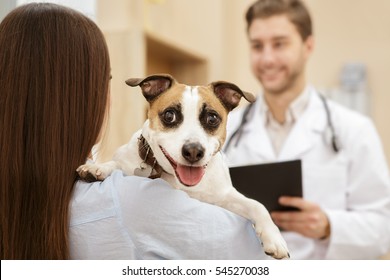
(295, 10)
(54, 79)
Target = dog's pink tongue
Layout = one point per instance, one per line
(189, 175)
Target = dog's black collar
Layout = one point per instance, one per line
(146, 153)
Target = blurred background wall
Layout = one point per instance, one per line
(199, 41)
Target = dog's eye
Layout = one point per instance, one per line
(213, 120)
(169, 117)
(209, 119)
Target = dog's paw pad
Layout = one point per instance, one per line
(274, 245)
(278, 254)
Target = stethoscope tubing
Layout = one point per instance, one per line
(244, 120)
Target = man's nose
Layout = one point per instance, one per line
(268, 55)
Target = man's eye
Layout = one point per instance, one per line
(170, 116)
(279, 44)
(256, 47)
(213, 120)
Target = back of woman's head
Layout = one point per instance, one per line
(54, 79)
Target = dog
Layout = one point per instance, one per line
(181, 142)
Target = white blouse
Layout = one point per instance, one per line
(129, 217)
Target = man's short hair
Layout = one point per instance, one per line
(295, 10)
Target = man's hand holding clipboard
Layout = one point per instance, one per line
(267, 182)
(278, 186)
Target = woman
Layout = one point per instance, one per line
(54, 80)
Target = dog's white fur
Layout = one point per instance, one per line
(215, 187)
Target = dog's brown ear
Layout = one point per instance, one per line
(152, 86)
(230, 94)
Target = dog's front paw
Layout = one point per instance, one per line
(273, 243)
(91, 172)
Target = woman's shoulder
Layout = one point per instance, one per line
(96, 200)
(101, 216)
(160, 221)
(120, 193)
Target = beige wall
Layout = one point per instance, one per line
(213, 32)
(356, 30)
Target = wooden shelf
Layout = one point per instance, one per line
(164, 57)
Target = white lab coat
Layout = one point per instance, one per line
(352, 186)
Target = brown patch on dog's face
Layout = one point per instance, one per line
(165, 112)
(213, 115)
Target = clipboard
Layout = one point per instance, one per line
(267, 182)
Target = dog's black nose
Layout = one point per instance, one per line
(192, 152)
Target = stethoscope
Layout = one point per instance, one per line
(244, 120)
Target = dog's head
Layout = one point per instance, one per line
(186, 124)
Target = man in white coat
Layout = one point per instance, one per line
(345, 209)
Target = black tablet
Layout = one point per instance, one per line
(267, 182)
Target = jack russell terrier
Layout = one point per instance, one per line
(181, 142)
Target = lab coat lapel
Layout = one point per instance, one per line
(259, 140)
(300, 139)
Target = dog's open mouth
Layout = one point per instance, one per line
(188, 175)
